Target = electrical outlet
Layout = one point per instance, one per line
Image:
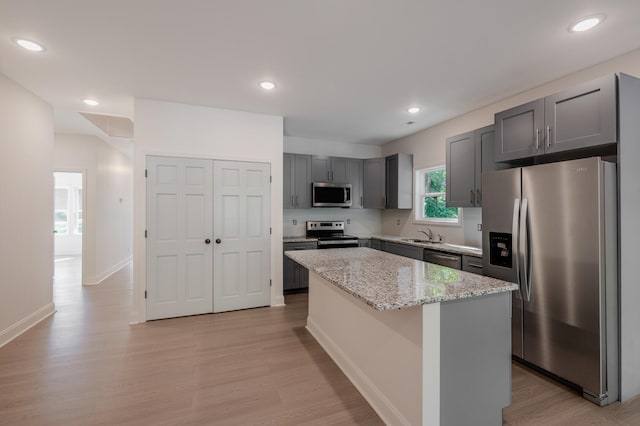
(398, 222)
(479, 227)
(295, 222)
(348, 221)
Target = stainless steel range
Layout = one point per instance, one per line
(330, 234)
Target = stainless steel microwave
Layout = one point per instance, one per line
(331, 194)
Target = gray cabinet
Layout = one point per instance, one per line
(399, 181)
(404, 250)
(364, 242)
(295, 277)
(472, 264)
(296, 181)
(354, 176)
(374, 183)
(581, 117)
(329, 169)
(376, 244)
(468, 156)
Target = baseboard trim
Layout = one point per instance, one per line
(99, 279)
(381, 404)
(277, 301)
(20, 327)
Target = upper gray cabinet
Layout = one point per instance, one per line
(297, 181)
(399, 181)
(354, 176)
(581, 117)
(468, 156)
(329, 169)
(374, 183)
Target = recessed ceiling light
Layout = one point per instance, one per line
(91, 102)
(587, 23)
(29, 45)
(268, 85)
(414, 110)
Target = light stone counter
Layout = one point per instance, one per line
(444, 246)
(386, 281)
(301, 239)
(429, 346)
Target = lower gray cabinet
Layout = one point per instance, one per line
(472, 264)
(404, 250)
(376, 244)
(364, 242)
(295, 277)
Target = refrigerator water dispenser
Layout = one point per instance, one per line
(500, 253)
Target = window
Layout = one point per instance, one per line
(431, 198)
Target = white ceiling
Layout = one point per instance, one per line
(346, 69)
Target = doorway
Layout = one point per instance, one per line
(69, 203)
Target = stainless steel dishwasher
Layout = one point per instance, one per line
(453, 261)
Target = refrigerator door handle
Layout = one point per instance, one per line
(523, 240)
(515, 243)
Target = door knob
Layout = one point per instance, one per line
(218, 240)
(207, 241)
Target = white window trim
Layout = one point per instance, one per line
(419, 193)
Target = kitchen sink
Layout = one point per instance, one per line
(416, 240)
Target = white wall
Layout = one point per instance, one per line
(428, 146)
(26, 246)
(179, 130)
(108, 221)
(364, 222)
(296, 145)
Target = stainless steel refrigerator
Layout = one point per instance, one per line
(552, 228)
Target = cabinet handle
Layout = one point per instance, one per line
(537, 139)
(293, 204)
(444, 257)
(331, 175)
(548, 136)
(478, 196)
(475, 265)
(361, 202)
(327, 175)
(471, 196)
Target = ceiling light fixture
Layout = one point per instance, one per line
(91, 102)
(268, 85)
(29, 45)
(414, 110)
(587, 23)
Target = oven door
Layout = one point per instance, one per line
(331, 195)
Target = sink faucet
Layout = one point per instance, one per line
(428, 234)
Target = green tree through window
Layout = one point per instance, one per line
(432, 187)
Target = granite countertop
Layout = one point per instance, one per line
(386, 281)
(447, 247)
(302, 239)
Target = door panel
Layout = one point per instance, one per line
(461, 169)
(241, 223)
(583, 116)
(562, 319)
(517, 131)
(179, 219)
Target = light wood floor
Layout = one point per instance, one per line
(87, 366)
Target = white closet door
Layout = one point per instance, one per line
(179, 223)
(242, 236)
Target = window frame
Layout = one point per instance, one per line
(421, 193)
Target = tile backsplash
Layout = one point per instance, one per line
(363, 222)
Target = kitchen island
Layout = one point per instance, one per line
(423, 343)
